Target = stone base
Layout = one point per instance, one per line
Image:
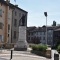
(20, 46)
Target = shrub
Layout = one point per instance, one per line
(30, 45)
(34, 47)
(39, 47)
(42, 47)
(58, 49)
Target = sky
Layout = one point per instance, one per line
(36, 9)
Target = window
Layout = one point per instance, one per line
(15, 13)
(32, 33)
(40, 38)
(9, 8)
(44, 33)
(8, 35)
(8, 27)
(29, 33)
(40, 33)
(1, 25)
(49, 31)
(15, 22)
(15, 34)
(0, 12)
(0, 37)
(19, 14)
(28, 38)
(43, 38)
(19, 23)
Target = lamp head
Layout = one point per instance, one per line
(45, 13)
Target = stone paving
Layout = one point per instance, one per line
(23, 55)
(20, 55)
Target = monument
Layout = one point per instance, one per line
(21, 43)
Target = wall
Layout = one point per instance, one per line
(17, 17)
(2, 19)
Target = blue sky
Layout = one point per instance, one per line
(36, 9)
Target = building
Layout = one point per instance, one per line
(5, 21)
(56, 37)
(19, 25)
(30, 33)
(11, 17)
(18, 15)
(40, 33)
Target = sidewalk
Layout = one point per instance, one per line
(20, 55)
(23, 55)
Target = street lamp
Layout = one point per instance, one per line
(45, 13)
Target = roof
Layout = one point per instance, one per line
(42, 29)
(57, 29)
(11, 5)
(21, 9)
(31, 28)
(3, 2)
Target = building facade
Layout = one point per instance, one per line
(19, 15)
(40, 33)
(56, 37)
(5, 21)
(11, 17)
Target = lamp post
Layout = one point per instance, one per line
(45, 13)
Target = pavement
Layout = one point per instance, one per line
(54, 52)
(20, 55)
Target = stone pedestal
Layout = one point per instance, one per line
(21, 43)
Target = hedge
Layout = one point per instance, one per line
(39, 47)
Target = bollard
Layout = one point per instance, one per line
(11, 54)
